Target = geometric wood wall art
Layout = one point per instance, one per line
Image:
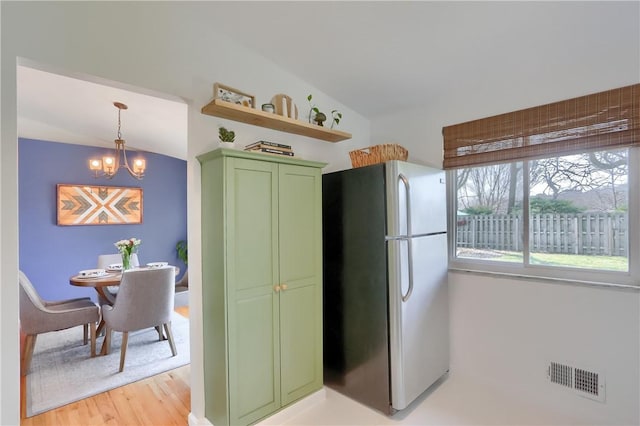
(98, 205)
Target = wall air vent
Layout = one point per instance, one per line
(561, 374)
(583, 382)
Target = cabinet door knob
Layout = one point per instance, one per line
(283, 286)
(276, 288)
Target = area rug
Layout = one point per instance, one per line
(63, 372)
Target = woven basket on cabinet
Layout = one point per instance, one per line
(378, 154)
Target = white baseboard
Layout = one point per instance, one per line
(278, 418)
(194, 421)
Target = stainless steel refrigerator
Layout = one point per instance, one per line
(386, 308)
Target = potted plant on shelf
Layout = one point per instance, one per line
(319, 117)
(336, 117)
(226, 135)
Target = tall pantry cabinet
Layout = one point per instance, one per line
(261, 283)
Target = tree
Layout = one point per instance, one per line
(614, 165)
(486, 187)
(478, 210)
(514, 179)
(602, 172)
(540, 205)
(596, 178)
(555, 175)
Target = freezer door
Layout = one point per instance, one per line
(418, 316)
(416, 199)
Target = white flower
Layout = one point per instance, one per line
(128, 246)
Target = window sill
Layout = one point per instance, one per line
(565, 281)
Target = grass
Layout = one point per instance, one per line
(607, 263)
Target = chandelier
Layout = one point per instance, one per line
(109, 165)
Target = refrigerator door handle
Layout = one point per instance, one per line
(407, 191)
(406, 297)
(402, 178)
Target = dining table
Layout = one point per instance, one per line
(100, 283)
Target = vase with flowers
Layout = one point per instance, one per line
(126, 248)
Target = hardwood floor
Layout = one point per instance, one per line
(164, 399)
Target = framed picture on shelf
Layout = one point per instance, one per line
(229, 94)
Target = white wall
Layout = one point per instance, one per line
(156, 46)
(505, 331)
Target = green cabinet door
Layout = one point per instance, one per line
(253, 305)
(300, 247)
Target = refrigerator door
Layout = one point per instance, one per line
(418, 317)
(424, 211)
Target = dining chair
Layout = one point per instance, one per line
(104, 260)
(182, 290)
(145, 300)
(39, 316)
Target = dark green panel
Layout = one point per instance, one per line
(355, 295)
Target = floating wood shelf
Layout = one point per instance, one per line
(243, 114)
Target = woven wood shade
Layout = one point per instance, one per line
(599, 121)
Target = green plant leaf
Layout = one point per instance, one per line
(226, 135)
(182, 251)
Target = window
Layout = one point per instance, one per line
(575, 209)
(489, 218)
(555, 197)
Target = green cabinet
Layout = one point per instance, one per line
(262, 283)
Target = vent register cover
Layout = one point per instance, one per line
(583, 382)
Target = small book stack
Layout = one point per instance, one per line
(270, 148)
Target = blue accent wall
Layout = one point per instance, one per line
(50, 254)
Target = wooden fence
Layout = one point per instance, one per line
(582, 233)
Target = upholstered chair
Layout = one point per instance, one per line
(182, 290)
(38, 316)
(145, 300)
(104, 260)
(184, 281)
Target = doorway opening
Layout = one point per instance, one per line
(70, 115)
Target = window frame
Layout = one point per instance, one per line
(630, 278)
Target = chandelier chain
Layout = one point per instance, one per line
(119, 134)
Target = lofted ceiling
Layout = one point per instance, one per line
(374, 57)
(388, 56)
(60, 108)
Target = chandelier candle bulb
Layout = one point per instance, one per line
(108, 166)
(139, 166)
(95, 165)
